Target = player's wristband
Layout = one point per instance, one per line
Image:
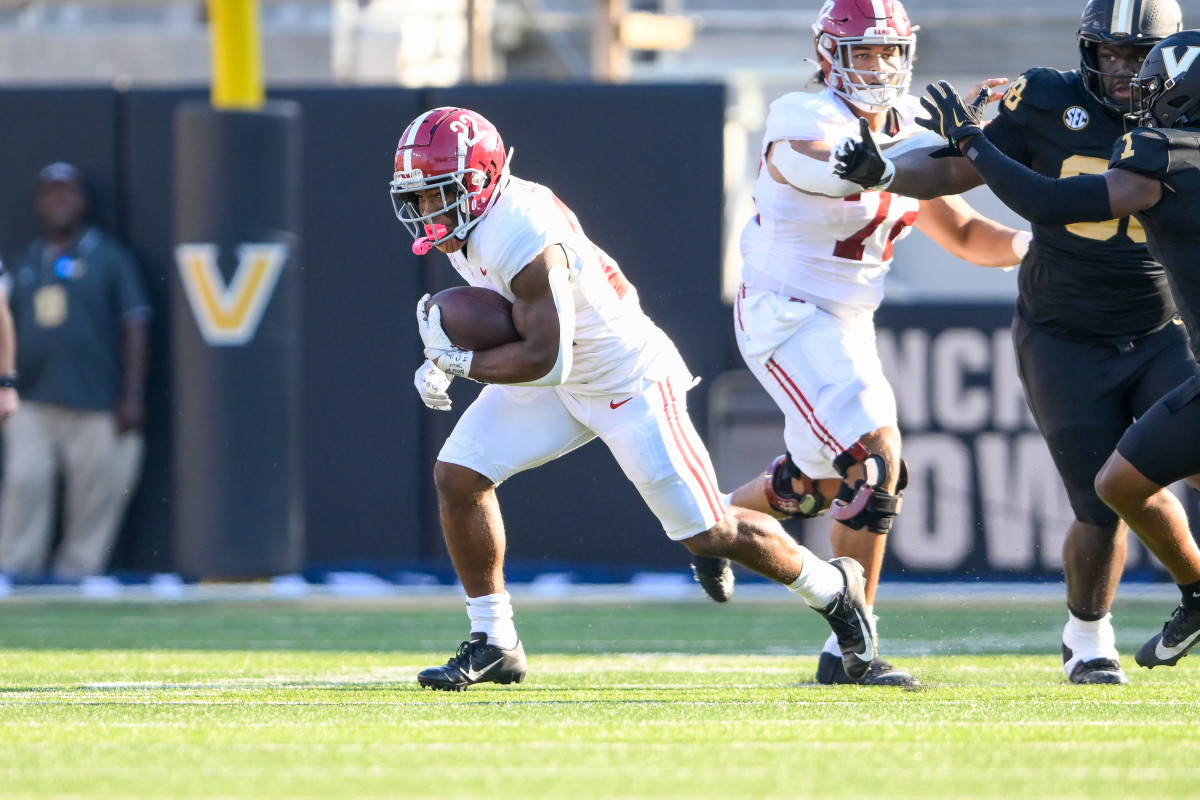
(8, 380)
(455, 362)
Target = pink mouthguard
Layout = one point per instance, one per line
(425, 243)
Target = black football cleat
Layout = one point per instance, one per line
(852, 624)
(1179, 635)
(1098, 670)
(831, 673)
(715, 576)
(476, 662)
(1093, 671)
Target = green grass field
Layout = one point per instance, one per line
(317, 699)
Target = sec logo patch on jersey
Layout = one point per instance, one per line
(1076, 118)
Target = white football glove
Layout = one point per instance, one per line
(438, 347)
(430, 326)
(432, 384)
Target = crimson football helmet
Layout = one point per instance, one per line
(1122, 23)
(458, 152)
(1166, 91)
(840, 26)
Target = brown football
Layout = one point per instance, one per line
(475, 318)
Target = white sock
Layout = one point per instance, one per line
(493, 614)
(819, 582)
(1089, 640)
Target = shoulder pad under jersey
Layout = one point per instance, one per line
(1041, 89)
(1142, 150)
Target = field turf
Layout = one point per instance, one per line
(317, 699)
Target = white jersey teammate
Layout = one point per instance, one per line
(814, 259)
(589, 364)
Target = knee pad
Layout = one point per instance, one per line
(782, 495)
(873, 464)
(866, 504)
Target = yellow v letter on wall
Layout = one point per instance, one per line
(229, 315)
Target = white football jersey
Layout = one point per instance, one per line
(617, 348)
(830, 248)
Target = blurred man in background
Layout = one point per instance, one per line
(80, 314)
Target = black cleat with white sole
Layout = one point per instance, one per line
(852, 623)
(715, 576)
(1094, 671)
(476, 662)
(1097, 671)
(1179, 635)
(831, 673)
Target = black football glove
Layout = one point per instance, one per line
(950, 116)
(862, 162)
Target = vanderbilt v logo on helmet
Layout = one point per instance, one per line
(1122, 23)
(1178, 65)
(1166, 91)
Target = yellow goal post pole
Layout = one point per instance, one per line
(236, 55)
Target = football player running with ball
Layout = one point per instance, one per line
(1096, 332)
(1154, 175)
(814, 259)
(589, 364)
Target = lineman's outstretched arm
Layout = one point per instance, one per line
(964, 232)
(920, 175)
(1041, 200)
(913, 167)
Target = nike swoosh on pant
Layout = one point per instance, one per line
(475, 676)
(1170, 652)
(615, 404)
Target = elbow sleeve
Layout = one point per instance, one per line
(809, 174)
(560, 288)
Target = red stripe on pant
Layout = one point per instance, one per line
(802, 405)
(695, 464)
